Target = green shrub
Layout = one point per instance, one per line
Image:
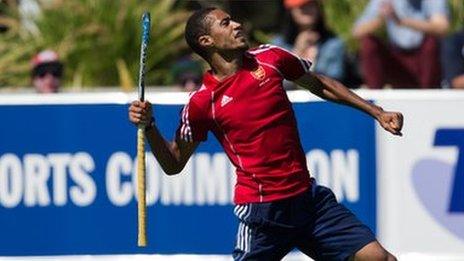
(99, 40)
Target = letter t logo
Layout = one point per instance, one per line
(454, 137)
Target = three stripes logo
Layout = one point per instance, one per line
(244, 231)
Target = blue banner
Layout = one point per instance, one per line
(67, 181)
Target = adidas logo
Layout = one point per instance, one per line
(225, 100)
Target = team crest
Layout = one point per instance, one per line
(259, 73)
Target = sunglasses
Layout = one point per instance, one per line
(54, 69)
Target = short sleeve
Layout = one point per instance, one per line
(370, 12)
(193, 125)
(291, 66)
(434, 7)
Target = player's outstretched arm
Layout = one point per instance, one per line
(172, 156)
(332, 90)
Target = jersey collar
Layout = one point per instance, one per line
(210, 81)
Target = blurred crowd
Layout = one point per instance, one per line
(410, 58)
(402, 44)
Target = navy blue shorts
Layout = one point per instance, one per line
(313, 222)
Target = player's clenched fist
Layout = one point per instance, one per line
(392, 122)
(140, 112)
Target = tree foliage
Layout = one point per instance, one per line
(99, 40)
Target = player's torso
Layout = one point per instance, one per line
(249, 101)
(254, 120)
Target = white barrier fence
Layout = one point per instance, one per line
(420, 176)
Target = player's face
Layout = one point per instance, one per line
(226, 34)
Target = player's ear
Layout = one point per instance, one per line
(206, 41)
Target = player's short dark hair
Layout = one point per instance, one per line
(197, 25)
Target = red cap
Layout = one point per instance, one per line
(46, 56)
(289, 4)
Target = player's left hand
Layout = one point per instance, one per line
(391, 122)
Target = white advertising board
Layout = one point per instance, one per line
(421, 178)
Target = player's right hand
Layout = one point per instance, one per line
(140, 112)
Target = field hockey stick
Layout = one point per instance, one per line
(141, 190)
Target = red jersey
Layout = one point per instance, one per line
(251, 116)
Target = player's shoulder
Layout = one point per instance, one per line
(200, 97)
(201, 93)
(267, 49)
(271, 54)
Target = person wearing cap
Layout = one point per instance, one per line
(47, 71)
(187, 73)
(410, 58)
(311, 39)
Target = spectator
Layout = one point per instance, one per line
(313, 40)
(453, 60)
(47, 71)
(187, 74)
(411, 58)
